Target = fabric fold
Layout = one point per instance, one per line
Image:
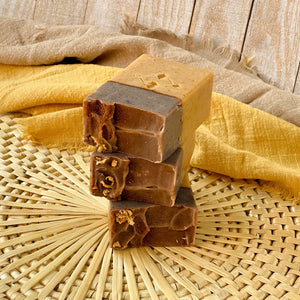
(242, 142)
(61, 129)
(24, 87)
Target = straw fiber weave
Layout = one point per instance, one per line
(54, 236)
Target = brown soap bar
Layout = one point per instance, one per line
(132, 120)
(118, 176)
(136, 224)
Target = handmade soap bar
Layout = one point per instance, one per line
(191, 85)
(136, 224)
(118, 176)
(132, 120)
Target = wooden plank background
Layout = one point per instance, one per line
(267, 30)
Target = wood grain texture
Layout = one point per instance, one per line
(223, 21)
(23, 9)
(59, 12)
(173, 15)
(108, 14)
(273, 38)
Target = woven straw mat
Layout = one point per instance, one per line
(54, 236)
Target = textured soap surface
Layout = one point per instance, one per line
(131, 120)
(108, 173)
(136, 224)
(163, 76)
(191, 85)
(118, 176)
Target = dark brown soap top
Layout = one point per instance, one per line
(118, 176)
(136, 224)
(132, 120)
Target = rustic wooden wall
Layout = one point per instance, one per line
(268, 30)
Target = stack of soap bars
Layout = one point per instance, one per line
(143, 124)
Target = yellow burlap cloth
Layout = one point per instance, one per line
(237, 140)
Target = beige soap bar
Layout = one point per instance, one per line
(191, 85)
